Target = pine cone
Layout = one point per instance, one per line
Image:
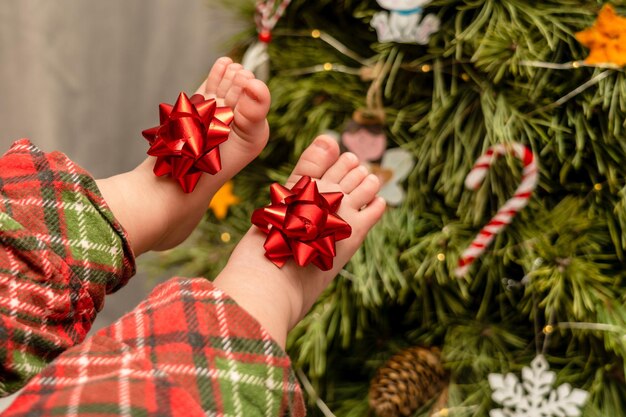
(406, 382)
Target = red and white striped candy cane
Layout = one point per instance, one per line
(256, 58)
(511, 207)
(267, 15)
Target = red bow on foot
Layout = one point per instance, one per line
(302, 222)
(186, 142)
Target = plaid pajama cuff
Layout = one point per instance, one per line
(62, 251)
(188, 350)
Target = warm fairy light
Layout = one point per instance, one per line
(441, 257)
(225, 237)
(315, 33)
(328, 66)
(597, 187)
(465, 77)
(426, 68)
(575, 64)
(548, 329)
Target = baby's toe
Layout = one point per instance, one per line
(239, 82)
(369, 216)
(316, 159)
(346, 162)
(365, 192)
(227, 80)
(209, 87)
(353, 178)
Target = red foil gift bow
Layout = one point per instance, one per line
(302, 223)
(186, 142)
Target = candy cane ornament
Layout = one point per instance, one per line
(267, 16)
(256, 58)
(514, 205)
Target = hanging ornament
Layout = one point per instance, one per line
(403, 22)
(606, 39)
(395, 167)
(408, 381)
(534, 397)
(364, 135)
(505, 215)
(256, 58)
(222, 200)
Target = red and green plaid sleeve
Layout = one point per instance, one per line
(62, 251)
(188, 350)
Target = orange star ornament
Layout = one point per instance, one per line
(222, 200)
(606, 39)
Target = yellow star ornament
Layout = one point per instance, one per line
(223, 199)
(606, 39)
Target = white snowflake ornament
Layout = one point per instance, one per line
(534, 397)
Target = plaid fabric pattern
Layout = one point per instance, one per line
(188, 350)
(62, 250)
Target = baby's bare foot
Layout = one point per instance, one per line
(155, 212)
(280, 297)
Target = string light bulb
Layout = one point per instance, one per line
(316, 34)
(225, 237)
